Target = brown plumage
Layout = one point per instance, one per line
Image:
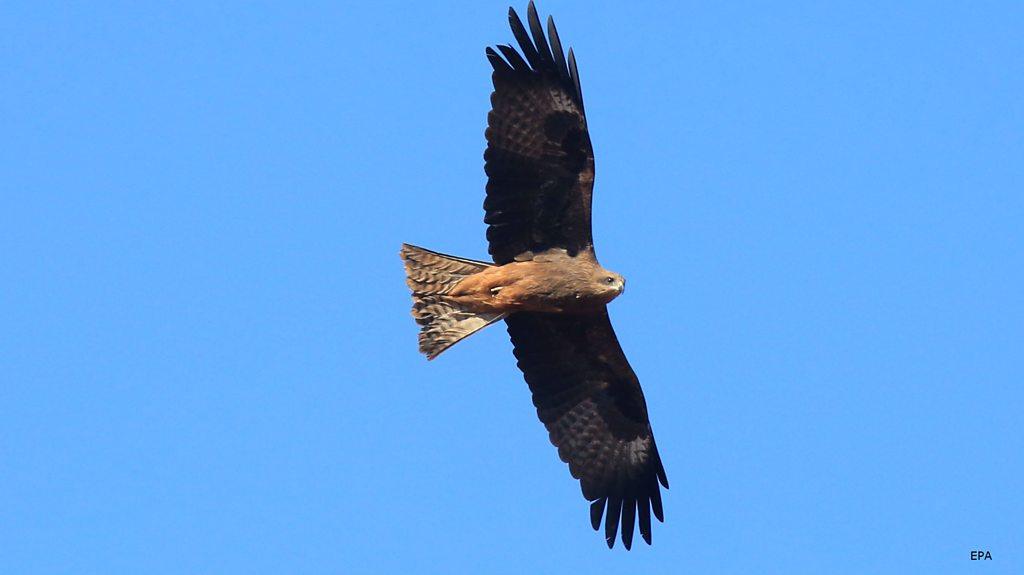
(547, 283)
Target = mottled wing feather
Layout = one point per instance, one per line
(539, 160)
(588, 397)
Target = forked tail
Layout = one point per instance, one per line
(443, 322)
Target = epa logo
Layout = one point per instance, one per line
(978, 555)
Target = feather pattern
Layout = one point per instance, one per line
(590, 400)
(443, 322)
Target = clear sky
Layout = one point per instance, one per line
(206, 354)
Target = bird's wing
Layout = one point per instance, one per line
(539, 161)
(591, 403)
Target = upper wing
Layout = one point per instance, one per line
(539, 161)
(592, 405)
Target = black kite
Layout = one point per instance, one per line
(547, 285)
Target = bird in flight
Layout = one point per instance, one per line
(547, 284)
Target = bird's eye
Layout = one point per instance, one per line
(609, 280)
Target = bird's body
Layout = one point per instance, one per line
(546, 283)
(551, 283)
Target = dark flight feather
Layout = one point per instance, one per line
(628, 521)
(611, 521)
(538, 36)
(643, 507)
(513, 57)
(574, 74)
(556, 49)
(525, 44)
(597, 512)
(497, 62)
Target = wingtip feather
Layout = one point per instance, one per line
(525, 43)
(656, 504)
(611, 520)
(541, 43)
(556, 49)
(628, 522)
(644, 508)
(596, 512)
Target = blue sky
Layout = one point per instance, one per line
(207, 358)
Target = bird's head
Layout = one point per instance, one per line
(608, 284)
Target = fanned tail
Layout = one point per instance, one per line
(443, 322)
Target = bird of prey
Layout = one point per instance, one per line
(547, 284)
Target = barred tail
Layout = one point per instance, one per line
(443, 322)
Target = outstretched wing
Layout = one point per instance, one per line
(539, 161)
(591, 403)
